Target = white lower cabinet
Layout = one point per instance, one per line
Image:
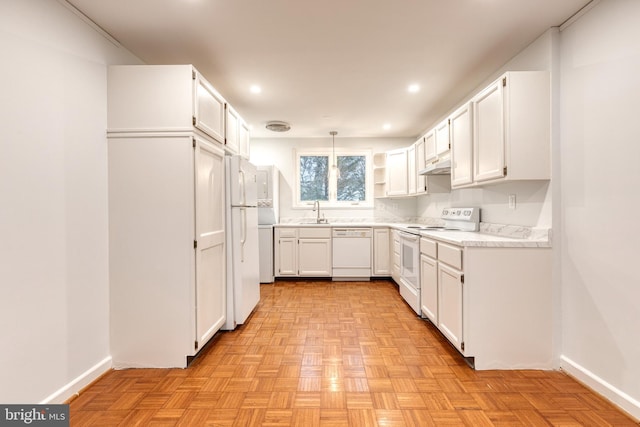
(429, 280)
(303, 252)
(492, 303)
(450, 304)
(314, 254)
(395, 255)
(286, 253)
(381, 246)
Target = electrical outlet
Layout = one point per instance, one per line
(512, 201)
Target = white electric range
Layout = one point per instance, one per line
(457, 219)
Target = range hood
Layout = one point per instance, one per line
(437, 167)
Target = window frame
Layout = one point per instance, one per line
(333, 203)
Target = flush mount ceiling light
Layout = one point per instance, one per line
(414, 88)
(277, 126)
(255, 89)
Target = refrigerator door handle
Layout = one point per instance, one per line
(243, 189)
(243, 232)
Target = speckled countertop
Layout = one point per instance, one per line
(489, 236)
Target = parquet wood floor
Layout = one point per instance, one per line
(337, 354)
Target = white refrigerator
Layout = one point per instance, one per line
(243, 271)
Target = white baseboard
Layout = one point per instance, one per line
(616, 396)
(83, 380)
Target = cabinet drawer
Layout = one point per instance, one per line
(451, 255)
(314, 232)
(287, 232)
(428, 247)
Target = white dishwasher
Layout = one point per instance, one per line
(351, 253)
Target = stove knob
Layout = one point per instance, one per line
(467, 213)
(458, 212)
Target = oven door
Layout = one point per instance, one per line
(410, 270)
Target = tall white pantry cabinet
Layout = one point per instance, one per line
(166, 214)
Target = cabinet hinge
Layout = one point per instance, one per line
(449, 146)
(504, 82)
(196, 345)
(462, 345)
(462, 279)
(504, 171)
(193, 140)
(195, 244)
(449, 121)
(193, 74)
(193, 120)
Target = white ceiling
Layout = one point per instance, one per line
(340, 65)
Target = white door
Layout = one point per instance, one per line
(412, 173)
(488, 136)
(430, 152)
(462, 146)
(450, 308)
(246, 291)
(244, 139)
(314, 257)
(243, 185)
(442, 137)
(421, 185)
(381, 254)
(232, 137)
(209, 110)
(286, 256)
(397, 172)
(429, 288)
(210, 241)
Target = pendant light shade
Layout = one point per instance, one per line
(334, 167)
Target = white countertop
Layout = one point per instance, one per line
(500, 236)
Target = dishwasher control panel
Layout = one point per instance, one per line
(352, 232)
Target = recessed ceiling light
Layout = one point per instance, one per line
(386, 126)
(256, 89)
(414, 88)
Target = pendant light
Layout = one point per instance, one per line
(334, 167)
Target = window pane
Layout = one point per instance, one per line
(351, 178)
(314, 178)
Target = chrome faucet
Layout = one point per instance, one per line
(316, 208)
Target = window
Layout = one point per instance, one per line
(340, 183)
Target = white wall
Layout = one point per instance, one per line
(599, 199)
(53, 210)
(280, 152)
(533, 199)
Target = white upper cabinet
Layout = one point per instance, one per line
(412, 172)
(244, 139)
(232, 139)
(430, 151)
(421, 183)
(442, 138)
(397, 179)
(437, 142)
(511, 128)
(237, 137)
(162, 98)
(208, 114)
(462, 145)
(489, 133)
